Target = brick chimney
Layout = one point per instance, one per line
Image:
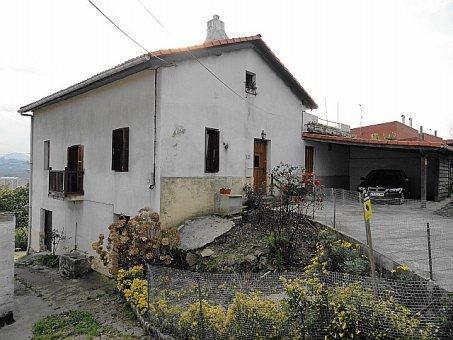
(215, 29)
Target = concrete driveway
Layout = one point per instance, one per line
(399, 232)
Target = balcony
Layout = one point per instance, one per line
(66, 184)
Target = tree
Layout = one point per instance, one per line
(15, 201)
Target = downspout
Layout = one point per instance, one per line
(153, 183)
(30, 182)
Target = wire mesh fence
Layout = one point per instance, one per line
(193, 305)
(399, 231)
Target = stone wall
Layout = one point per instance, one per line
(7, 223)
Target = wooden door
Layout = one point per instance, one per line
(260, 165)
(74, 170)
(48, 230)
(309, 159)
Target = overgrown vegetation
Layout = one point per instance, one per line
(16, 201)
(48, 260)
(70, 324)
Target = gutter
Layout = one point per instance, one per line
(153, 183)
(30, 182)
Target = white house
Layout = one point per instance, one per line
(164, 130)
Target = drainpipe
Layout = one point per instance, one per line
(30, 182)
(153, 183)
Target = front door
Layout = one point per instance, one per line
(48, 230)
(260, 165)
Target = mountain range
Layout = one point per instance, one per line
(15, 165)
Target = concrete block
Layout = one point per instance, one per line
(74, 265)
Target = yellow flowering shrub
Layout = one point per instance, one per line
(124, 277)
(402, 273)
(337, 255)
(212, 320)
(350, 312)
(252, 316)
(137, 295)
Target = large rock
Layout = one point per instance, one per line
(74, 265)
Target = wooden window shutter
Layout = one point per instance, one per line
(125, 150)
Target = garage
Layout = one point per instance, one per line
(341, 162)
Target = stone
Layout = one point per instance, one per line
(250, 258)
(73, 265)
(191, 259)
(207, 252)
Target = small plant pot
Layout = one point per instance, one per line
(225, 191)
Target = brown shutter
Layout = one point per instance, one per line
(125, 150)
(309, 159)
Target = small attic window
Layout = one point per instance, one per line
(250, 82)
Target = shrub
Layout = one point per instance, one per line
(337, 255)
(15, 201)
(137, 241)
(137, 295)
(306, 305)
(48, 260)
(352, 311)
(252, 316)
(124, 277)
(207, 323)
(21, 238)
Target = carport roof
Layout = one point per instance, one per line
(385, 144)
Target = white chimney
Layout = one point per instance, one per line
(215, 29)
(403, 119)
(410, 122)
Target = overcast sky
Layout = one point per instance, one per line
(393, 57)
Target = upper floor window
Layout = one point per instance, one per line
(212, 150)
(47, 155)
(250, 82)
(120, 150)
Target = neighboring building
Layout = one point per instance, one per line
(9, 182)
(341, 161)
(394, 131)
(160, 131)
(7, 224)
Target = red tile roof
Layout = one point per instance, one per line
(376, 143)
(101, 78)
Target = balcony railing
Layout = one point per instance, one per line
(65, 182)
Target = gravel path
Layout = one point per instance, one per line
(40, 291)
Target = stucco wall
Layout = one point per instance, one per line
(191, 100)
(183, 198)
(331, 164)
(88, 120)
(7, 223)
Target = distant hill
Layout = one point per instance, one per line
(16, 156)
(15, 164)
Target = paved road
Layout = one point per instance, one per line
(399, 232)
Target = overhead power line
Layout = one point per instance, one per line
(202, 64)
(123, 32)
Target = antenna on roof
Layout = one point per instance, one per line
(325, 105)
(338, 112)
(361, 120)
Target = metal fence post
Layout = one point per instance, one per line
(201, 318)
(334, 209)
(428, 234)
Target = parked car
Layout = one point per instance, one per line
(386, 185)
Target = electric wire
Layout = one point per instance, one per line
(127, 35)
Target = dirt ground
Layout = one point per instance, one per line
(40, 291)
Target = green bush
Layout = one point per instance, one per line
(48, 260)
(210, 323)
(336, 255)
(69, 325)
(15, 201)
(252, 316)
(352, 311)
(21, 238)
